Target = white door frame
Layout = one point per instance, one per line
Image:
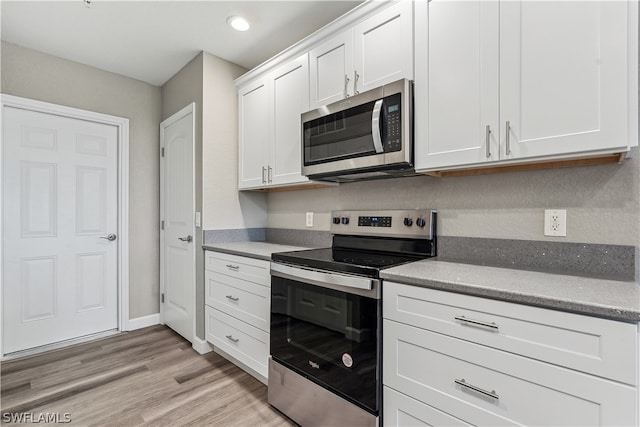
(122, 125)
(189, 109)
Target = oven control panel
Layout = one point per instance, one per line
(416, 223)
(374, 221)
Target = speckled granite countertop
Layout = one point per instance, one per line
(257, 250)
(603, 298)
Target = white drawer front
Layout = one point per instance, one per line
(597, 346)
(244, 300)
(402, 411)
(244, 342)
(425, 365)
(253, 270)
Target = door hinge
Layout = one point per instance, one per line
(162, 297)
(162, 151)
(162, 225)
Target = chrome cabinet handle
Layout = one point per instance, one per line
(507, 139)
(491, 393)
(185, 239)
(232, 298)
(356, 76)
(264, 180)
(269, 174)
(346, 83)
(491, 325)
(375, 126)
(233, 267)
(232, 339)
(110, 237)
(487, 141)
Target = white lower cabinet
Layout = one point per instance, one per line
(237, 298)
(435, 375)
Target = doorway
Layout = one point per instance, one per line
(178, 222)
(64, 193)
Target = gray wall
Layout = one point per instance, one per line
(602, 202)
(31, 74)
(224, 207)
(208, 81)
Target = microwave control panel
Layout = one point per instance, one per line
(393, 114)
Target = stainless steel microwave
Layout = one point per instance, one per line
(366, 136)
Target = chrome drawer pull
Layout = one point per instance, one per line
(233, 267)
(477, 322)
(491, 393)
(232, 298)
(231, 338)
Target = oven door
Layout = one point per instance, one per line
(328, 332)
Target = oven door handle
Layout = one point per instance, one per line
(331, 279)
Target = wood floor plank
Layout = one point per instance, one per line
(147, 377)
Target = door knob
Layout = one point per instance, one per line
(111, 237)
(185, 239)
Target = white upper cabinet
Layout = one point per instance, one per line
(254, 133)
(289, 99)
(331, 68)
(270, 130)
(379, 50)
(456, 87)
(383, 47)
(563, 76)
(519, 80)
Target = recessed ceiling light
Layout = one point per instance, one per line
(238, 23)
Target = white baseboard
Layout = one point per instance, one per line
(143, 322)
(201, 346)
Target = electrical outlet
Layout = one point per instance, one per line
(309, 219)
(555, 222)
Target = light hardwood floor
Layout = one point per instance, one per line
(151, 376)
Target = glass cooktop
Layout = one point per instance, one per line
(344, 260)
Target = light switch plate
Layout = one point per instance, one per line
(197, 219)
(309, 219)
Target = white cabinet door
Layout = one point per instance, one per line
(253, 104)
(289, 99)
(331, 69)
(563, 70)
(456, 87)
(383, 48)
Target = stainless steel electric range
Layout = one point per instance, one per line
(326, 316)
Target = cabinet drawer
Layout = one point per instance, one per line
(597, 346)
(401, 410)
(244, 300)
(495, 387)
(253, 270)
(244, 342)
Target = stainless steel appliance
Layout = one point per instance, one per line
(326, 316)
(366, 136)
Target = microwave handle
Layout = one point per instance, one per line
(375, 126)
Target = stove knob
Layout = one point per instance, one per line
(420, 222)
(408, 222)
(336, 220)
(345, 220)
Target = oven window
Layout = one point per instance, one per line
(328, 336)
(340, 135)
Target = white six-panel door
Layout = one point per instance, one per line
(177, 212)
(60, 202)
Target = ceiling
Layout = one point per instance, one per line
(153, 40)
